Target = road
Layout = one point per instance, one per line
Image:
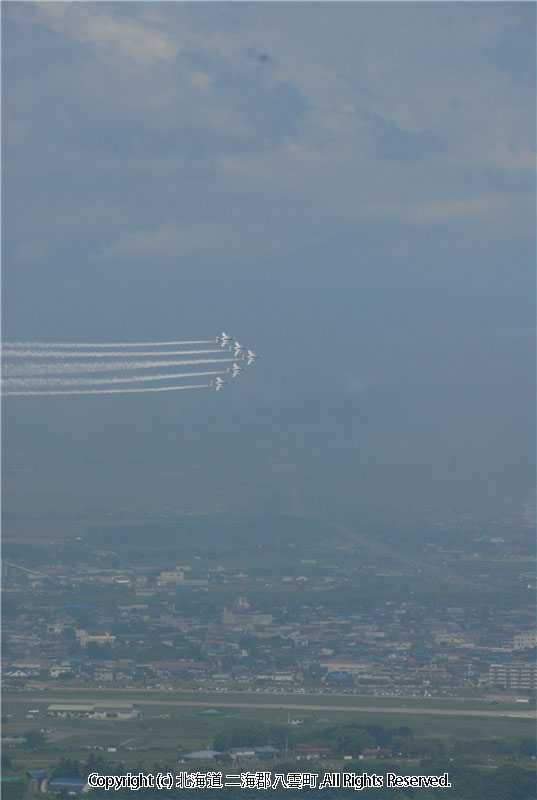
(419, 565)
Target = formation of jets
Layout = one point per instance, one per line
(238, 351)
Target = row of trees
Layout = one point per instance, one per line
(352, 739)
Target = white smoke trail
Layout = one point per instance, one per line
(106, 391)
(36, 383)
(66, 354)
(27, 370)
(74, 345)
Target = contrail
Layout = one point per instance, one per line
(27, 370)
(108, 391)
(65, 354)
(35, 383)
(73, 345)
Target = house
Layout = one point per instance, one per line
(242, 752)
(376, 752)
(311, 751)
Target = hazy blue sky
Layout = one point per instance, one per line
(349, 188)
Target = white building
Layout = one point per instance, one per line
(525, 641)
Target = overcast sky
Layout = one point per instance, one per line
(348, 188)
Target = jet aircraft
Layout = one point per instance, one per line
(224, 339)
(235, 369)
(250, 357)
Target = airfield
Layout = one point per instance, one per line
(171, 722)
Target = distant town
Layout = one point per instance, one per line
(287, 608)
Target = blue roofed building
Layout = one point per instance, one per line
(201, 755)
(72, 785)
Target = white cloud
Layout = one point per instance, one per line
(358, 385)
(164, 240)
(33, 250)
(55, 10)
(197, 241)
(520, 158)
(480, 207)
(200, 80)
(191, 143)
(139, 42)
